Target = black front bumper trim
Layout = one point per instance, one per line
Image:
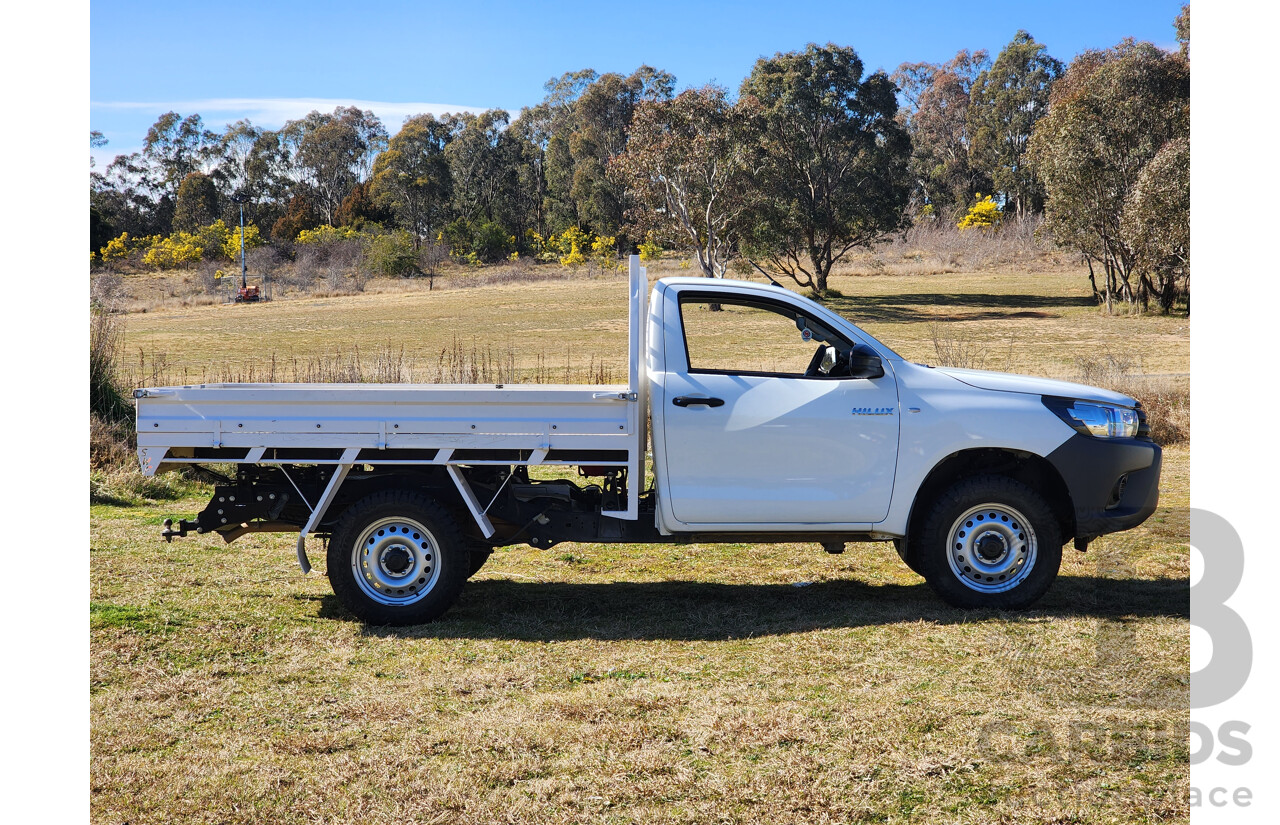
(1092, 466)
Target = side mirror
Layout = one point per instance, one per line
(829, 358)
(865, 363)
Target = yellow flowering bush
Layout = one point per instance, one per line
(117, 249)
(649, 249)
(212, 238)
(604, 250)
(984, 214)
(252, 240)
(179, 249)
(324, 234)
(544, 249)
(572, 240)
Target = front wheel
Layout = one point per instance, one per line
(397, 558)
(989, 542)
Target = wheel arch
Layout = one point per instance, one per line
(432, 482)
(1033, 470)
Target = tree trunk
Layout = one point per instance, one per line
(1111, 287)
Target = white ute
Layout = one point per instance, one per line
(774, 419)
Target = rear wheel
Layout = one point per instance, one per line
(397, 558)
(989, 542)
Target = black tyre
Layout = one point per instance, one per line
(479, 555)
(989, 542)
(397, 558)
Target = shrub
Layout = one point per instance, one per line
(1166, 400)
(117, 249)
(490, 241)
(984, 214)
(124, 249)
(535, 243)
(474, 242)
(604, 250)
(571, 242)
(106, 292)
(179, 249)
(213, 239)
(544, 249)
(649, 249)
(326, 234)
(252, 240)
(389, 254)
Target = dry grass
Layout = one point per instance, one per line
(455, 363)
(614, 683)
(1036, 322)
(307, 278)
(1166, 398)
(938, 248)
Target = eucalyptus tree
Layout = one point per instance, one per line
(830, 161)
(1156, 223)
(1114, 112)
(334, 152)
(197, 203)
(1005, 103)
(175, 147)
(686, 166)
(936, 116)
(412, 176)
(587, 117)
(482, 160)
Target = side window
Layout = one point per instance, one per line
(730, 335)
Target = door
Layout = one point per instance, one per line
(763, 423)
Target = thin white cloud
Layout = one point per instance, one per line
(274, 112)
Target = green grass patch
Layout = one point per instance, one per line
(104, 615)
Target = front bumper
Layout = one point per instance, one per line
(1114, 484)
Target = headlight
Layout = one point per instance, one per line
(1095, 419)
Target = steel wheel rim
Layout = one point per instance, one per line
(991, 548)
(396, 561)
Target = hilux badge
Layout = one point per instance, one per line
(873, 410)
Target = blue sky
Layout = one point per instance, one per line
(271, 61)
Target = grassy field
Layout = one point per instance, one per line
(605, 683)
(1032, 322)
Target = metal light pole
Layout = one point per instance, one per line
(240, 198)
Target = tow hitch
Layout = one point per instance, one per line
(183, 526)
(231, 511)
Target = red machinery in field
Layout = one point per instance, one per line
(248, 294)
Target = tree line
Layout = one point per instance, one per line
(812, 159)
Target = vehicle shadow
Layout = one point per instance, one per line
(957, 306)
(704, 611)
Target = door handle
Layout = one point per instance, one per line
(693, 401)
